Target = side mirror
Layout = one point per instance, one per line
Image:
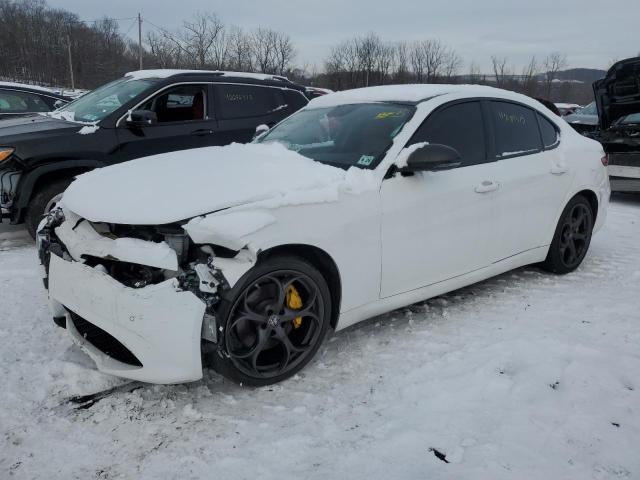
(141, 118)
(432, 158)
(59, 103)
(260, 130)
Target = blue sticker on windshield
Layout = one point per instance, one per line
(366, 160)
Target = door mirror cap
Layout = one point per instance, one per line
(141, 118)
(59, 104)
(261, 130)
(432, 157)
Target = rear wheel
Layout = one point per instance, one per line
(44, 200)
(572, 237)
(274, 320)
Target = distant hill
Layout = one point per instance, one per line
(586, 75)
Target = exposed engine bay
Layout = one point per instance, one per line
(140, 257)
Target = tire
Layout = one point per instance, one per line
(572, 237)
(259, 343)
(43, 201)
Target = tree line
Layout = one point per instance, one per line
(36, 41)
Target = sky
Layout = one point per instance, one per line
(589, 32)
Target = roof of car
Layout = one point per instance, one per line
(412, 94)
(32, 88)
(167, 73)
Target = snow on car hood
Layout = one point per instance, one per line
(175, 186)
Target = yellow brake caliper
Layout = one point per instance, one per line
(294, 302)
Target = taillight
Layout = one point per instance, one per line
(605, 160)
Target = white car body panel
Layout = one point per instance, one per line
(395, 241)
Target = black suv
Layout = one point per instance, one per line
(17, 99)
(143, 113)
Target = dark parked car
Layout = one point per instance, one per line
(143, 113)
(17, 99)
(585, 119)
(618, 100)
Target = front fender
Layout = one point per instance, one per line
(29, 180)
(347, 231)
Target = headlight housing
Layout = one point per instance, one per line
(5, 153)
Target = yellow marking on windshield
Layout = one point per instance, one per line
(383, 115)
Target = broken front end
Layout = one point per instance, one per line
(140, 300)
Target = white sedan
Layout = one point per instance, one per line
(244, 257)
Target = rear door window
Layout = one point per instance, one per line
(515, 129)
(247, 101)
(459, 126)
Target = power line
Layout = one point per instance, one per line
(108, 18)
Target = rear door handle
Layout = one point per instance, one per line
(487, 186)
(201, 132)
(559, 169)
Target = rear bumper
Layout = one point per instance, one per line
(624, 172)
(160, 325)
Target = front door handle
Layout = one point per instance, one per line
(202, 132)
(487, 186)
(559, 169)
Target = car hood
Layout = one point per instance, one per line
(583, 119)
(14, 131)
(172, 187)
(618, 94)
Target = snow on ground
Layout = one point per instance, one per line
(525, 376)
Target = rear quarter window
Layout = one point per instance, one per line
(515, 128)
(549, 132)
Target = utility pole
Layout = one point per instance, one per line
(140, 39)
(73, 85)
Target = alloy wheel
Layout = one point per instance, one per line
(274, 324)
(575, 235)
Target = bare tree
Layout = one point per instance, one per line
(475, 76)
(553, 63)
(529, 78)
(501, 70)
(199, 36)
(263, 47)
(402, 62)
(451, 64)
(428, 58)
(285, 53)
(165, 52)
(240, 54)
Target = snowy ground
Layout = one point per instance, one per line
(524, 376)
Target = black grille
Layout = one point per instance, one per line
(104, 342)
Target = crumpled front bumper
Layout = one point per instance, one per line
(159, 324)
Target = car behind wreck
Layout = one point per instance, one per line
(618, 101)
(362, 202)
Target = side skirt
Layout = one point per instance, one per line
(388, 304)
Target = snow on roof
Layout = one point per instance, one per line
(25, 85)
(166, 73)
(410, 93)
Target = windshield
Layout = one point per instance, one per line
(634, 118)
(343, 136)
(589, 109)
(96, 105)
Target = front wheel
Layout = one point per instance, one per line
(44, 200)
(274, 320)
(572, 237)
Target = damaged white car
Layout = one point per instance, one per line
(244, 257)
